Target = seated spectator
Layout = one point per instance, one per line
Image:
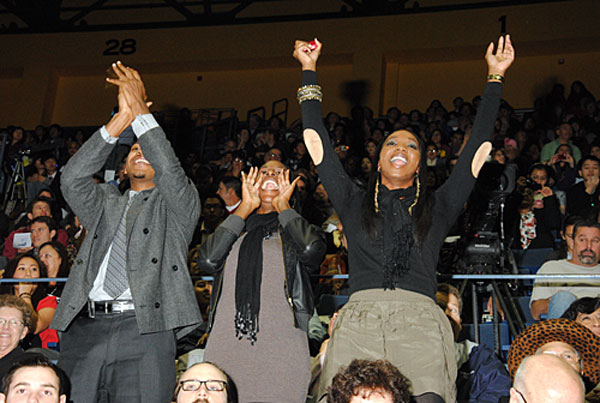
(205, 383)
(437, 138)
(274, 154)
(230, 190)
(370, 147)
(553, 297)
(365, 169)
(536, 211)
(570, 341)
(121, 175)
(17, 319)
(56, 211)
(533, 152)
(35, 183)
(316, 362)
(53, 177)
(585, 311)
(303, 200)
(76, 232)
(213, 214)
(564, 132)
(565, 251)
(545, 378)
(54, 256)
(34, 379)
(497, 155)
(369, 381)
(34, 294)
(334, 263)
(563, 166)
(582, 198)
(15, 146)
(238, 165)
(41, 206)
(433, 158)
(244, 145)
(481, 375)
(322, 203)
(299, 157)
(43, 229)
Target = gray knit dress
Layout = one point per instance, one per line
(276, 369)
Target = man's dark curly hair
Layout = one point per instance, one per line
(374, 376)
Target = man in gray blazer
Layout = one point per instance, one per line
(129, 293)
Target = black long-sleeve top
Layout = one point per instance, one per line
(365, 255)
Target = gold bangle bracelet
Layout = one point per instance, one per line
(309, 93)
(498, 77)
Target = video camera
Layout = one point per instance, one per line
(483, 251)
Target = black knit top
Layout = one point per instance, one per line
(365, 257)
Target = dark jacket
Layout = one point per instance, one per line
(483, 378)
(581, 203)
(303, 250)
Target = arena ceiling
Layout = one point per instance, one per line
(45, 16)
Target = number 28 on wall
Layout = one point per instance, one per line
(115, 47)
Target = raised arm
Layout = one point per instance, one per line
(457, 188)
(177, 190)
(80, 191)
(331, 172)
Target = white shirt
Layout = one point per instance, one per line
(232, 208)
(543, 289)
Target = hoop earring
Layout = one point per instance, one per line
(375, 202)
(416, 195)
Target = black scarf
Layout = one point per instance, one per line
(249, 274)
(398, 235)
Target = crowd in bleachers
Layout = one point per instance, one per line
(554, 148)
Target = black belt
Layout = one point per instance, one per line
(94, 308)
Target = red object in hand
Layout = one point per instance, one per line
(312, 45)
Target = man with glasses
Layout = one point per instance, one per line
(205, 383)
(16, 320)
(569, 342)
(274, 154)
(546, 378)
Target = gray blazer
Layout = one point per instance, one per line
(160, 225)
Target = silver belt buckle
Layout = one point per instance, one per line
(118, 307)
(91, 309)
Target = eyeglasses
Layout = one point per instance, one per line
(520, 394)
(193, 385)
(567, 355)
(14, 323)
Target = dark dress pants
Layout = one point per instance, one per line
(109, 361)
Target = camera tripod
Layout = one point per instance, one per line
(501, 296)
(16, 191)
